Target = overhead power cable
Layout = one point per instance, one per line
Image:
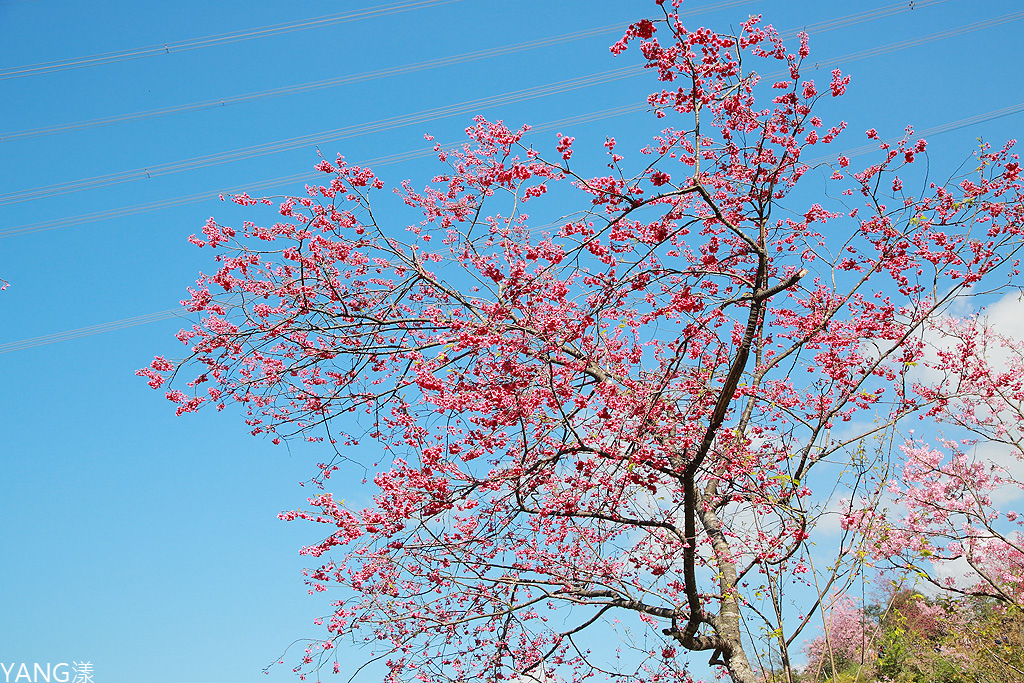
(426, 152)
(418, 117)
(418, 154)
(290, 179)
(313, 85)
(820, 27)
(914, 42)
(934, 130)
(867, 15)
(219, 39)
(322, 136)
(91, 330)
(141, 208)
(180, 312)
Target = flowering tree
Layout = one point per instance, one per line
(949, 519)
(848, 636)
(908, 637)
(633, 421)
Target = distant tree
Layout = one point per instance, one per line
(638, 420)
(848, 641)
(949, 519)
(909, 638)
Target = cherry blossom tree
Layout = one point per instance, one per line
(847, 637)
(635, 422)
(950, 527)
(908, 637)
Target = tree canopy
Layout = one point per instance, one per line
(684, 402)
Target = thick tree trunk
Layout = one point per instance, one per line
(734, 656)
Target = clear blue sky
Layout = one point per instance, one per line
(149, 544)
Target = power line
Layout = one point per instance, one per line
(92, 329)
(148, 318)
(218, 39)
(868, 15)
(305, 87)
(290, 179)
(934, 130)
(152, 206)
(820, 27)
(179, 312)
(322, 136)
(422, 117)
(418, 154)
(914, 42)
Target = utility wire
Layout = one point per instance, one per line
(914, 42)
(275, 29)
(935, 130)
(426, 152)
(820, 27)
(152, 206)
(291, 179)
(313, 85)
(424, 116)
(181, 312)
(92, 329)
(218, 39)
(322, 136)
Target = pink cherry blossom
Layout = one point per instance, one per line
(637, 417)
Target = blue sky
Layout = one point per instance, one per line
(149, 544)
